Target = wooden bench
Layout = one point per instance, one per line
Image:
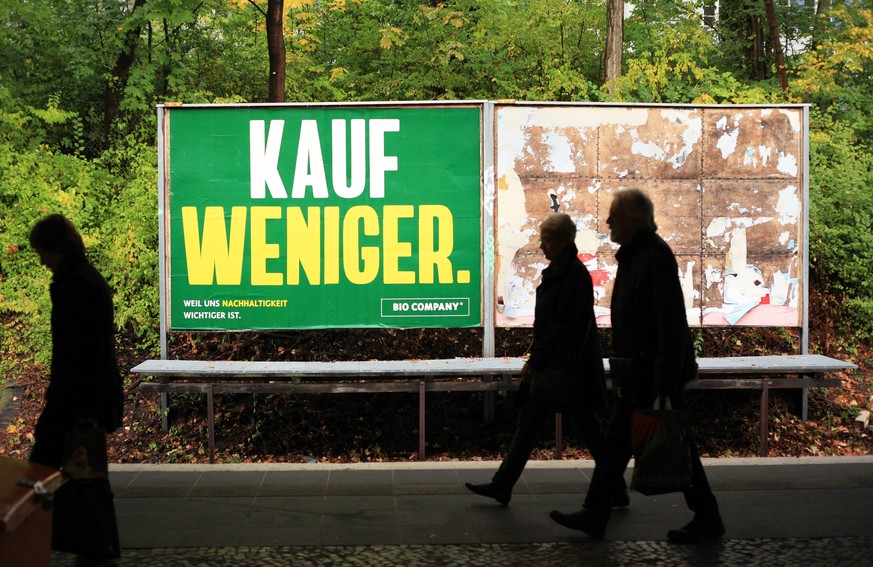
(455, 375)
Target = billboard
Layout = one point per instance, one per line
(729, 186)
(305, 217)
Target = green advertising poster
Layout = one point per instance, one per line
(284, 217)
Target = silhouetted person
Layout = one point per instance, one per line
(85, 383)
(565, 368)
(650, 335)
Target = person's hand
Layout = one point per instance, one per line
(526, 373)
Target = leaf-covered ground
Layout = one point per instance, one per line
(384, 427)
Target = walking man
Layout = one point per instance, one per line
(655, 358)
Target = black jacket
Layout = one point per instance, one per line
(85, 381)
(649, 323)
(565, 331)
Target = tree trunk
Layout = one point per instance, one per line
(820, 24)
(276, 49)
(614, 42)
(120, 72)
(777, 44)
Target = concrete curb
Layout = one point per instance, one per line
(464, 465)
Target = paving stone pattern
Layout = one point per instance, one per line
(830, 552)
(778, 512)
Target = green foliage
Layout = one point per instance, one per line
(114, 213)
(129, 235)
(466, 49)
(668, 60)
(57, 153)
(835, 72)
(841, 225)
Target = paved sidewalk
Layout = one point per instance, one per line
(778, 511)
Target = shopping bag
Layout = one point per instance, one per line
(83, 516)
(85, 452)
(662, 451)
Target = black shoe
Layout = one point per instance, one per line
(698, 529)
(583, 520)
(491, 491)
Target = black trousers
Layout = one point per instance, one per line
(534, 413)
(83, 520)
(609, 471)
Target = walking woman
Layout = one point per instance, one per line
(84, 388)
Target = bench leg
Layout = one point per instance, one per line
(764, 449)
(165, 421)
(210, 423)
(488, 407)
(559, 436)
(421, 390)
(165, 404)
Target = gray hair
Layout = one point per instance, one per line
(56, 233)
(559, 225)
(638, 206)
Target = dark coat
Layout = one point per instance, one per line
(85, 381)
(565, 332)
(649, 323)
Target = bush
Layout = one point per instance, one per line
(114, 208)
(841, 225)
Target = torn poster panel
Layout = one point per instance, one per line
(727, 185)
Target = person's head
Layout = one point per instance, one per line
(631, 212)
(556, 233)
(55, 238)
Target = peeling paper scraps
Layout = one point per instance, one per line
(793, 117)
(713, 276)
(687, 280)
(745, 286)
(737, 254)
(648, 149)
(779, 289)
(652, 150)
(787, 164)
(786, 240)
(717, 227)
(587, 240)
(518, 297)
(788, 206)
(727, 142)
(560, 153)
(739, 208)
(735, 312)
(691, 135)
(759, 156)
(721, 226)
(795, 292)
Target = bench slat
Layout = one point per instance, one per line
(404, 369)
(297, 369)
(759, 383)
(774, 364)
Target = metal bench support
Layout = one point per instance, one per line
(421, 443)
(210, 421)
(764, 446)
